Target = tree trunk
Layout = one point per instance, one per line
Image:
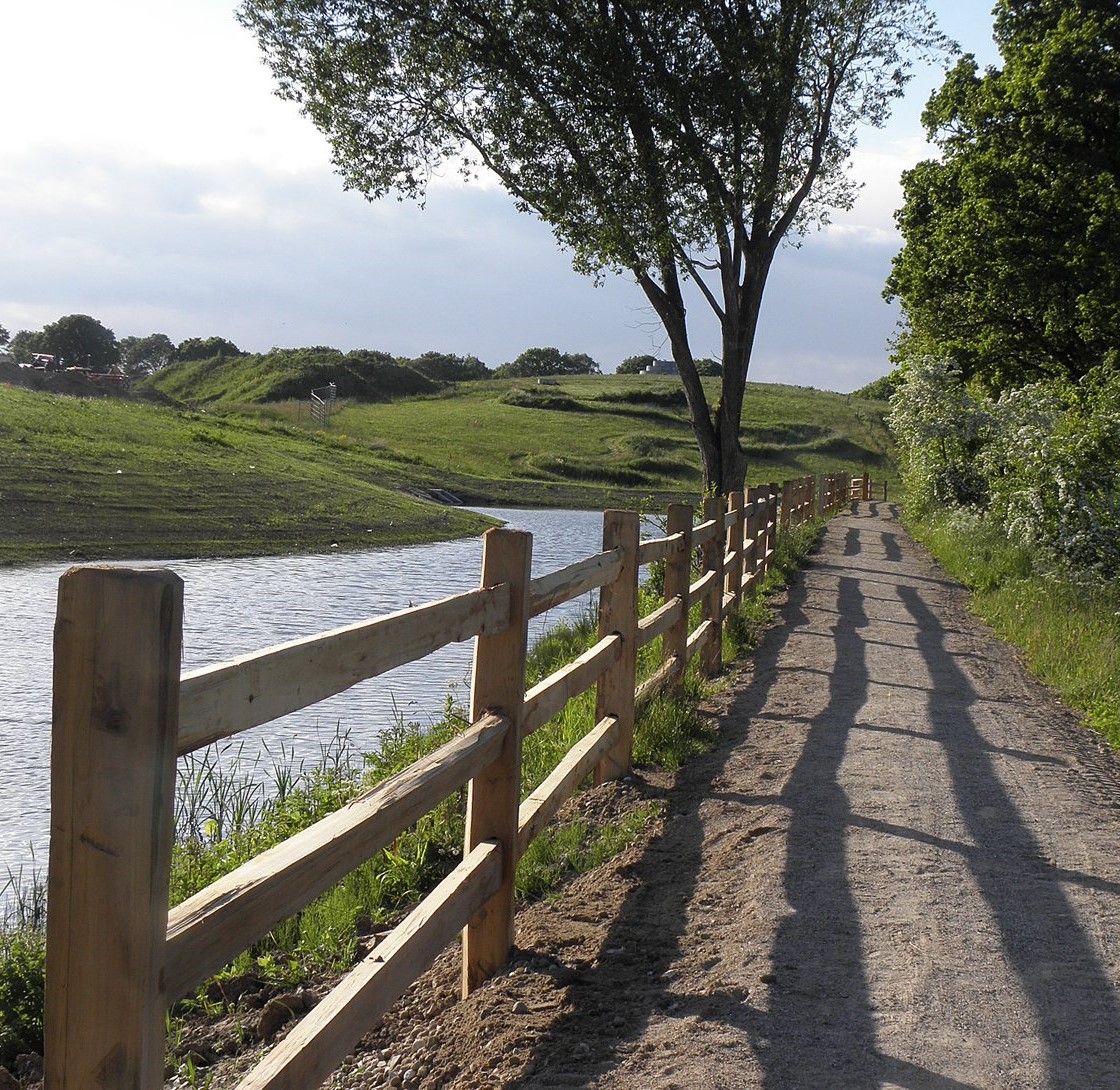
(740, 322)
(723, 461)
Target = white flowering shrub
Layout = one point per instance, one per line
(940, 428)
(1042, 461)
(1053, 468)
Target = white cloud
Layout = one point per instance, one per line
(149, 176)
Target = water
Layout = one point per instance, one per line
(232, 607)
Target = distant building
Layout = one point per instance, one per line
(661, 367)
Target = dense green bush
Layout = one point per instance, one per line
(445, 367)
(1041, 461)
(941, 428)
(1053, 466)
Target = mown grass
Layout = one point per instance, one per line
(112, 478)
(618, 431)
(1068, 627)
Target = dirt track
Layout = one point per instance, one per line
(900, 870)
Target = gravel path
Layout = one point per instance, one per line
(898, 871)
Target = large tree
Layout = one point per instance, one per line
(25, 344)
(77, 340)
(1011, 262)
(671, 139)
(145, 355)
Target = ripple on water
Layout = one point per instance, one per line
(232, 607)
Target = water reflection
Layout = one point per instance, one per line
(232, 607)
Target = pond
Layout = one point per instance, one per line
(232, 607)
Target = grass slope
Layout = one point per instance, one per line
(112, 478)
(288, 372)
(124, 478)
(1067, 625)
(591, 439)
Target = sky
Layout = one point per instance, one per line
(150, 177)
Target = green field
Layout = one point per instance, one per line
(128, 478)
(99, 479)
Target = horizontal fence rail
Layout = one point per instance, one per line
(123, 711)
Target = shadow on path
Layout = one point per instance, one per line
(630, 983)
(1074, 1004)
(819, 1004)
(818, 1030)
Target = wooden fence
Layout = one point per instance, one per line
(117, 957)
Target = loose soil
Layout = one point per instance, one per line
(897, 871)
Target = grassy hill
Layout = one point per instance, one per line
(115, 479)
(287, 373)
(587, 437)
(128, 478)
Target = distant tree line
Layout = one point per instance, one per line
(79, 340)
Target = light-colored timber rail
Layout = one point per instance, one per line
(117, 957)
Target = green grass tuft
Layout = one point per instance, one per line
(1069, 627)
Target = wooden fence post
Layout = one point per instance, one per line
(736, 535)
(773, 517)
(494, 795)
(678, 575)
(618, 612)
(117, 649)
(711, 656)
(751, 570)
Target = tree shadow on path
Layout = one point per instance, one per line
(817, 1029)
(1076, 1010)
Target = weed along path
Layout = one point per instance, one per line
(898, 870)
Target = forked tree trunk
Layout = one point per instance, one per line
(723, 462)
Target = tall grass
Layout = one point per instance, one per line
(23, 897)
(1068, 625)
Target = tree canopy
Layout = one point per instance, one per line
(539, 362)
(635, 365)
(145, 355)
(205, 348)
(24, 344)
(1011, 262)
(77, 340)
(668, 140)
(446, 367)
